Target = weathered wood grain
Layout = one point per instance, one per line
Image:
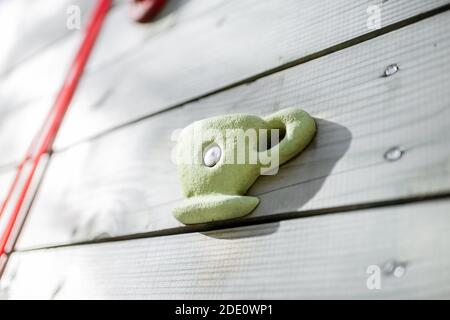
(193, 50)
(316, 257)
(37, 55)
(125, 182)
(7, 176)
(28, 28)
(121, 37)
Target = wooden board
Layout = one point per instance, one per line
(194, 50)
(124, 183)
(29, 28)
(316, 257)
(121, 37)
(6, 177)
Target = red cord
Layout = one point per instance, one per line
(43, 141)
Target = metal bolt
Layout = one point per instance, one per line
(393, 154)
(212, 155)
(391, 70)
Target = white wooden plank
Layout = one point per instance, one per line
(28, 28)
(193, 50)
(125, 183)
(317, 257)
(7, 176)
(28, 89)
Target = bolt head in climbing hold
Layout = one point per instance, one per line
(145, 10)
(391, 70)
(212, 155)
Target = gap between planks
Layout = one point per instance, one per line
(321, 257)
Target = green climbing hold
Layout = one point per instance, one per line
(220, 158)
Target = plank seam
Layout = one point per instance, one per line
(319, 54)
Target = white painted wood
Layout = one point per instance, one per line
(196, 48)
(318, 257)
(122, 38)
(28, 28)
(125, 183)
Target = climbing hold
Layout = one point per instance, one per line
(391, 70)
(145, 10)
(220, 158)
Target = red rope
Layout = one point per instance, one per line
(43, 141)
